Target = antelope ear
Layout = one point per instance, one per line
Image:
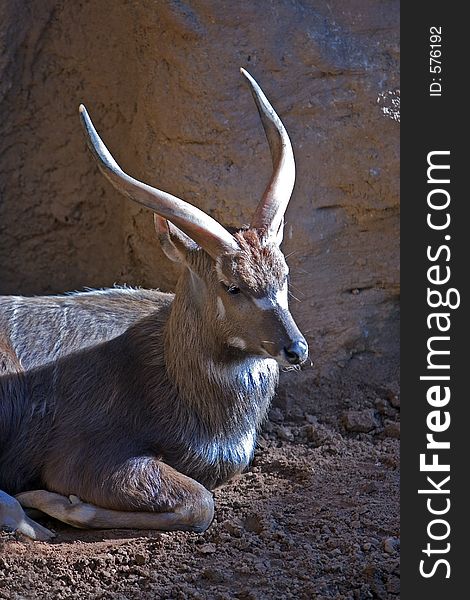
(174, 243)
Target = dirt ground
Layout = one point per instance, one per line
(316, 516)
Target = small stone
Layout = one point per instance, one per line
(393, 585)
(316, 434)
(367, 546)
(245, 595)
(391, 545)
(214, 575)
(355, 524)
(253, 524)
(232, 528)
(207, 549)
(268, 426)
(384, 408)
(139, 559)
(392, 429)
(392, 394)
(361, 421)
(296, 413)
(275, 415)
(284, 433)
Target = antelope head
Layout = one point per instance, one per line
(240, 279)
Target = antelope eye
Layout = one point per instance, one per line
(231, 289)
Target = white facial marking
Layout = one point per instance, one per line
(264, 303)
(237, 342)
(220, 309)
(280, 299)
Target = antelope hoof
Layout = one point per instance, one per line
(13, 517)
(201, 514)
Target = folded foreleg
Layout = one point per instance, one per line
(177, 502)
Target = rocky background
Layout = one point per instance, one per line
(161, 81)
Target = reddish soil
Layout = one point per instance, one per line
(315, 517)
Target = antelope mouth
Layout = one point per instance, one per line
(293, 355)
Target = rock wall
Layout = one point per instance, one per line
(161, 82)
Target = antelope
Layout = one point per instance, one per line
(124, 408)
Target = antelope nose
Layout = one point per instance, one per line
(296, 353)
